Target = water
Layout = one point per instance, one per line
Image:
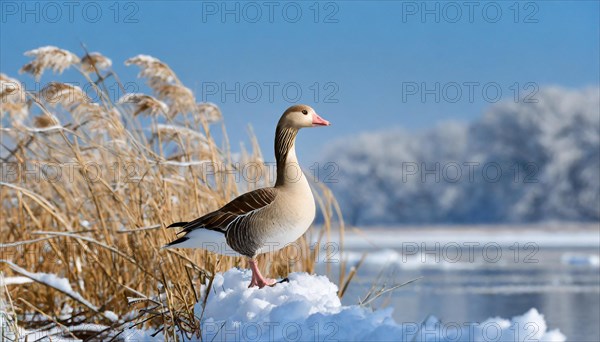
(563, 284)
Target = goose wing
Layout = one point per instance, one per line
(220, 220)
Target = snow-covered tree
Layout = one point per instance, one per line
(548, 154)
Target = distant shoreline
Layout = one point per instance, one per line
(543, 235)
(508, 227)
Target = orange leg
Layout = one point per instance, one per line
(257, 278)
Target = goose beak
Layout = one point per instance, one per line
(319, 121)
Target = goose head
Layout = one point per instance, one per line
(300, 116)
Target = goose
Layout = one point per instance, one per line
(266, 219)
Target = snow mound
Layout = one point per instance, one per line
(307, 308)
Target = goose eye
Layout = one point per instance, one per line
(304, 111)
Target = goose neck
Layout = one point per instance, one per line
(288, 169)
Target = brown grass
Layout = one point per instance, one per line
(123, 178)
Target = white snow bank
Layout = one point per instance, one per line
(580, 259)
(307, 308)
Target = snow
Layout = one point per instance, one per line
(52, 280)
(140, 98)
(111, 315)
(580, 259)
(53, 52)
(308, 308)
(13, 280)
(152, 67)
(145, 59)
(138, 335)
(100, 61)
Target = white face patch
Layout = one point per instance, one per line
(295, 117)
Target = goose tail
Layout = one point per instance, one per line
(177, 224)
(202, 238)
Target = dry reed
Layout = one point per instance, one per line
(87, 192)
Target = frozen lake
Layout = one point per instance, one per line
(470, 275)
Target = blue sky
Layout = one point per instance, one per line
(365, 58)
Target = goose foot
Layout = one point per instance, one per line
(257, 278)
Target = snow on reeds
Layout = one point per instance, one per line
(52, 281)
(94, 61)
(89, 186)
(48, 57)
(144, 104)
(152, 69)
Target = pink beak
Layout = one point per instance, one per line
(319, 121)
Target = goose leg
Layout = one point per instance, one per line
(257, 278)
(253, 281)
